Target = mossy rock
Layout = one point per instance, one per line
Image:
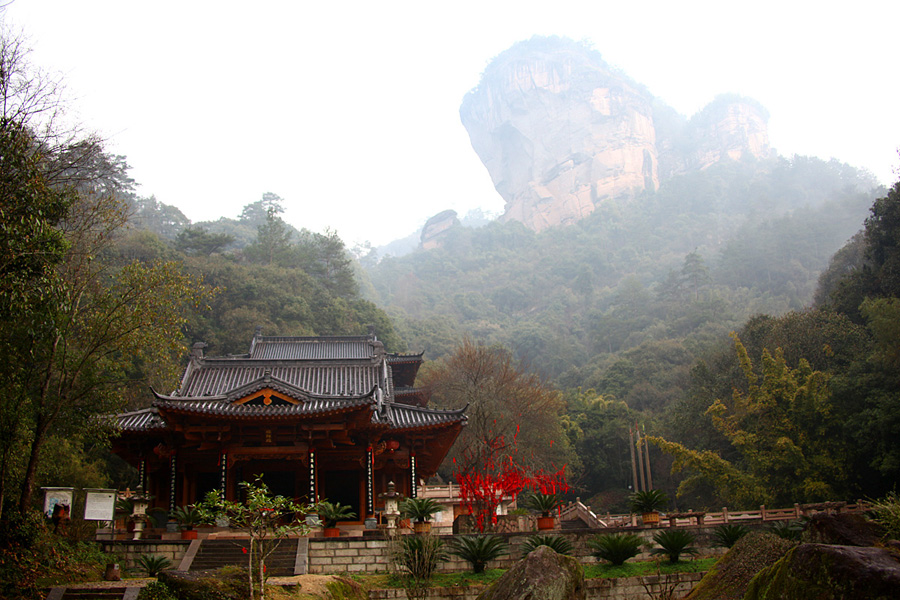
(842, 529)
(542, 575)
(731, 575)
(227, 583)
(829, 572)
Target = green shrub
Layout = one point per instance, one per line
(557, 543)
(887, 514)
(788, 530)
(416, 558)
(616, 548)
(478, 550)
(727, 534)
(156, 591)
(152, 564)
(673, 543)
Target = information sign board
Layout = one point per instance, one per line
(99, 505)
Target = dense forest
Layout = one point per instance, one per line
(628, 313)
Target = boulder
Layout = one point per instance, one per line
(225, 583)
(729, 578)
(829, 572)
(842, 529)
(542, 575)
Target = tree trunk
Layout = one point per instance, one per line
(31, 471)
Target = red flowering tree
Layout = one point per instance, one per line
(484, 483)
(508, 408)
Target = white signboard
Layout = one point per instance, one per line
(100, 505)
(54, 497)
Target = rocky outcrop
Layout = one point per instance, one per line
(542, 575)
(435, 228)
(829, 572)
(560, 132)
(841, 529)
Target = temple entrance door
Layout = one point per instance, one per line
(288, 483)
(343, 487)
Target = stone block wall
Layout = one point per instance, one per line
(130, 551)
(625, 588)
(369, 555)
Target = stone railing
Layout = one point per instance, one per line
(577, 510)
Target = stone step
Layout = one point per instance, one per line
(115, 593)
(214, 554)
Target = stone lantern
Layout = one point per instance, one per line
(391, 505)
(140, 502)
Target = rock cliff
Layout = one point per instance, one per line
(560, 132)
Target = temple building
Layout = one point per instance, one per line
(319, 418)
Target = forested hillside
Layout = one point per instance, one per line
(628, 311)
(688, 263)
(287, 282)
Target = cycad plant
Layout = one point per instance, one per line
(557, 543)
(478, 550)
(331, 513)
(673, 543)
(419, 509)
(416, 558)
(648, 501)
(153, 565)
(788, 530)
(543, 503)
(187, 516)
(616, 548)
(727, 534)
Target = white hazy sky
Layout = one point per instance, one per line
(350, 110)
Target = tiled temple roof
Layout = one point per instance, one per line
(211, 378)
(327, 375)
(146, 419)
(405, 417)
(315, 348)
(318, 406)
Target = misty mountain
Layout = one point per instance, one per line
(561, 132)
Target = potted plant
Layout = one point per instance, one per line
(187, 517)
(647, 504)
(330, 514)
(420, 510)
(545, 504)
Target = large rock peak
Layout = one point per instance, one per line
(560, 132)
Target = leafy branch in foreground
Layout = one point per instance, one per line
(267, 519)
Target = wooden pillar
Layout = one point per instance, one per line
(223, 480)
(633, 461)
(173, 473)
(313, 489)
(647, 458)
(640, 458)
(370, 491)
(142, 474)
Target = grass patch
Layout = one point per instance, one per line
(635, 569)
(464, 579)
(467, 578)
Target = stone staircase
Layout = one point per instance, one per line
(216, 553)
(88, 593)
